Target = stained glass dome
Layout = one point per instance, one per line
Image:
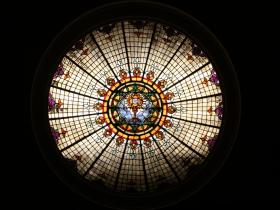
(135, 106)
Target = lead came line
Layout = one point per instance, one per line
(70, 91)
(149, 51)
(103, 150)
(201, 67)
(189, 147)
(76, 142)
(170, 60)
(126, 51)
(165, 158)
(103, 55)
(80, 67)
(193, 99)
(120, 167)
(198, 123)
(75, 116)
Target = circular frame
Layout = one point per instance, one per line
(157, 12)
(125, 84)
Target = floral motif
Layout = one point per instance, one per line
(51, 102)
(59, 71)
(219, 110)
(55, 133)
(119, 140)
(150, 75)
(107, 132)
(214, 78)
(171, 109)
(210, 110)
(169, 95)
(123, 74)
(160, 135)
(85, 52)
(66, 75)
(138, 33)
(168, 123)
(63, 132)
(139, 24)
(133, 144)
(211, 142)
(205, 81)
(147, 142)
(100, 120)
(79, 45)
(137, 72)
(53, 105)
(110, 81)
(162, 83)
(98, 106)
(197, 51)
(190, 57)
(107, 29)
(101, 92)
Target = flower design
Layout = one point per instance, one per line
(107, 132)
(171, 109)
(119, 141)
(219, 110)
(101, 92)
(51, 102)
(168, 123)
(162, 83)
(160, 135)
(59, 71)
(147, 142)
(211, 142)
(79, 45)
(123, 74)
(214, 78)
(136, 72)
(53, 105)
(55, 133)
(110, 81)
(169, 95)
(150, 75)
(100, 120)
(98, 106)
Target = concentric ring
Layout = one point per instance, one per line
(151, 93)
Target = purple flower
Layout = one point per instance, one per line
(51, 102)
(219, 111)
(211, 142)
(197, 51)
(79, 45)
(55, 134)
(214, 78)
(59, 72)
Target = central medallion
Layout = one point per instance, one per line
(135, 108)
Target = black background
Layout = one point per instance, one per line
(249, 175)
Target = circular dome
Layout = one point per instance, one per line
(135, 106)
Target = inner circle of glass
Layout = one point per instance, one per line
(135, 105)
